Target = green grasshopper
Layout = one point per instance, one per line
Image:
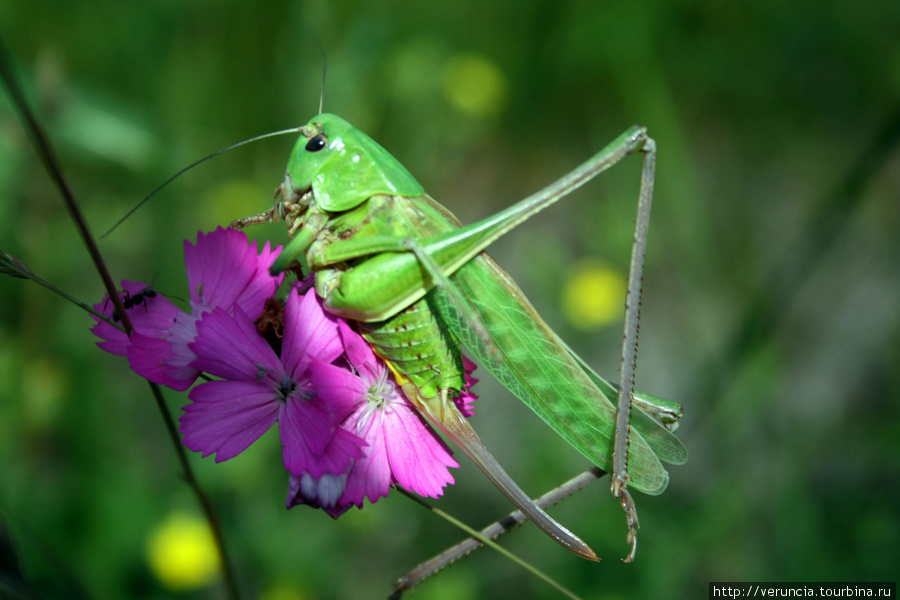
(419, 285)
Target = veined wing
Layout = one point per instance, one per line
(667, 447)
(534, 364)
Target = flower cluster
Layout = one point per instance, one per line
(347, 430)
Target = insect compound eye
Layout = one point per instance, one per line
(316, 143)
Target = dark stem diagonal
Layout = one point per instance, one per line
(228, 574)
(48, 158)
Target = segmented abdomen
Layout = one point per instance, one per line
(418, 345)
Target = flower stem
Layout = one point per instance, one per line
(205, 503)
(45, 152)
(11, 266)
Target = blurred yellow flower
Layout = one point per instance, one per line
(593, 295)
(182, 553)
(474, 85)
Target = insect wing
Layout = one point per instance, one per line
(667, 447)
(534, 364)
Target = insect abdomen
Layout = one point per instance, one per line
(418, 345)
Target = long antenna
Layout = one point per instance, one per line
(322, 91)
(191, 166)
(324, 72)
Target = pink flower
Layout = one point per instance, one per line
(466, 399)
(259, 388)
(324, 492)
(222, 271)
(401, 448)
(347, 430)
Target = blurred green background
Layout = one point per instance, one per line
(771, 293)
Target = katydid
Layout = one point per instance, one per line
(419, 286)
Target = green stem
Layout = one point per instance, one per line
(484, 537)
(14, 268)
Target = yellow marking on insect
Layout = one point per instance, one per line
(400, 378)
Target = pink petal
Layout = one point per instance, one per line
(149, 317)
(114, 341)
(223, 270)
(465, 402)
(418, 457)
(309, 332)
(149, 357)
(262, 285)
(339, 389)
(312, 442)
(153, 314)
(370, 476)
(359, 353)
(179, 336)
(225, 417)
(230, 347)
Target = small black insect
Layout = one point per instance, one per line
(129, 300)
